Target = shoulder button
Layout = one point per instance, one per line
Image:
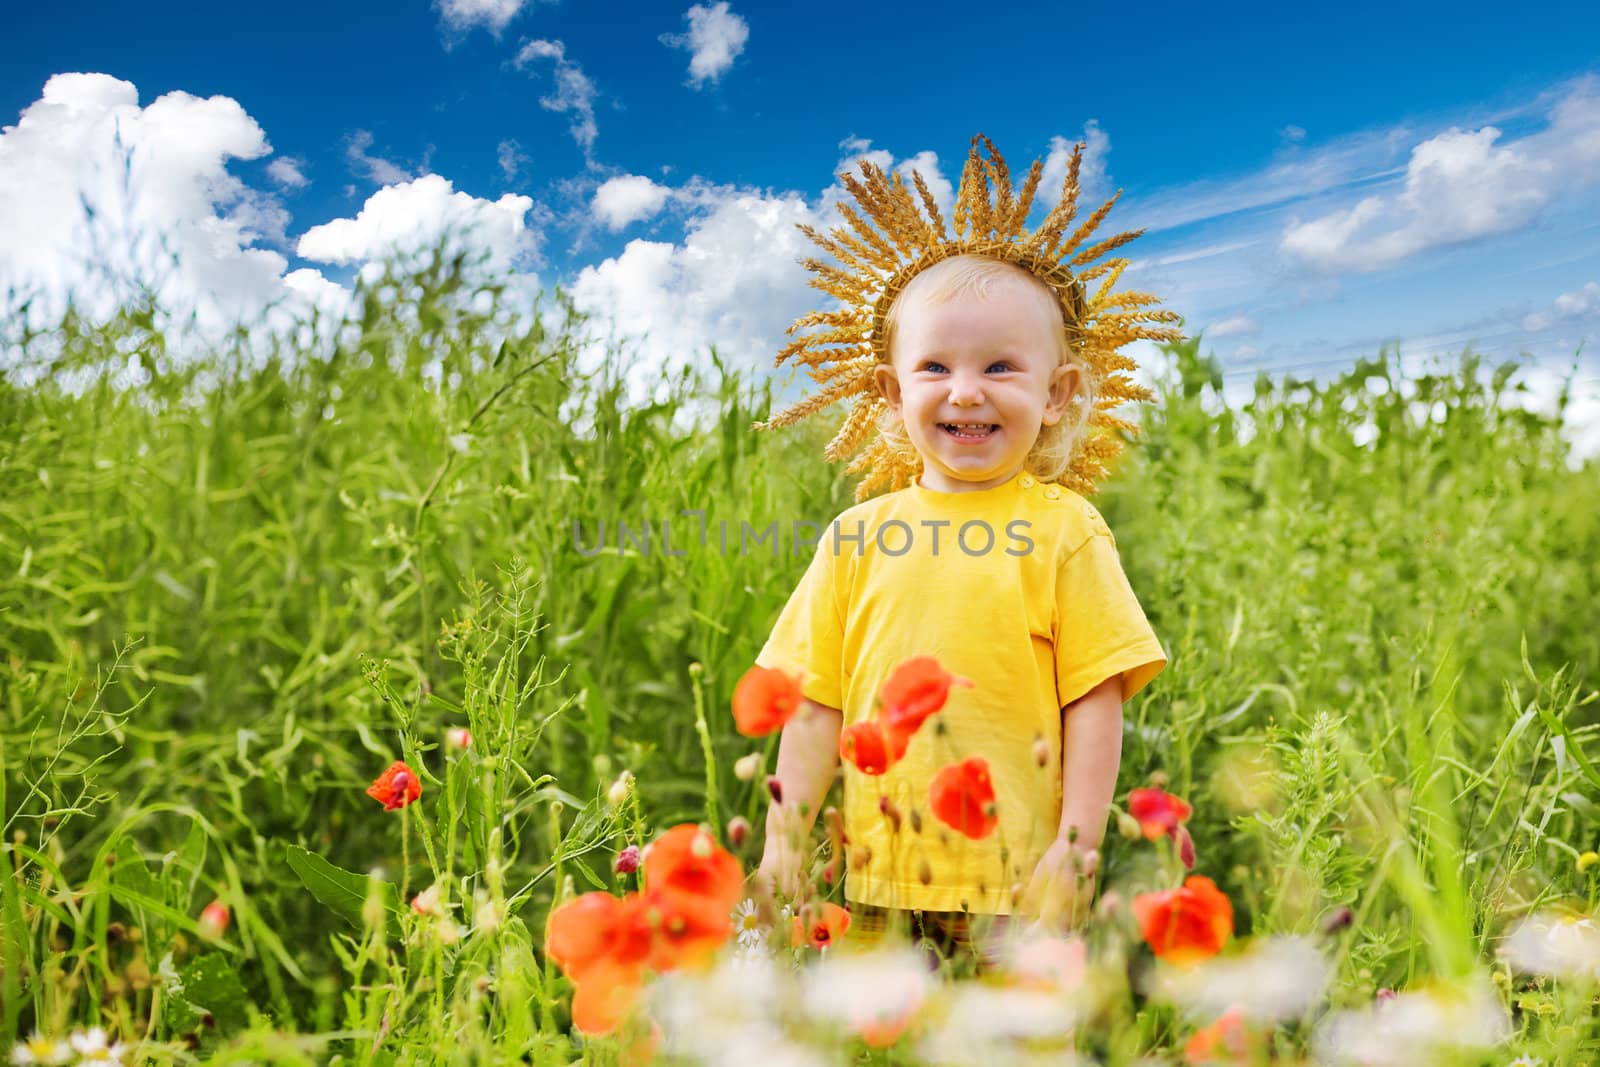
(1026, 481)
(1053, 492)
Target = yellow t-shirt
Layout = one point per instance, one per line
(1017, 587)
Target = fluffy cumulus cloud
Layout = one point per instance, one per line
(574, 91)
(628, 199)
(166, 216)
(1458, 186)
(402, 221)
(157, 182)
(715, 39)
(1232, 326)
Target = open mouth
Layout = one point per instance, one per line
(969, 431)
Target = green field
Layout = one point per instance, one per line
(232, 595)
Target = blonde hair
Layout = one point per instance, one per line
(975, 275)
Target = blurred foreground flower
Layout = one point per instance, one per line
(1556, 944)
(962, 796)
(915, 690)
(92, 1047)
(396, 787)
(820, 925)
(765, 700)
(627, 860)
(875, 995)
(1416, 1026)
(989, 1024)
(1273, 979)
(41, 1049)
(1224, 1041)
(1187, 924)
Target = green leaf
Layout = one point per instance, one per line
(343, 891)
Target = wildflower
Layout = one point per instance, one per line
(91, 1048)
(396, 787)
(1416, 1026)
(1128, 826)
(702, 877)
(876, 995)
(458, 738)
(602, 944)
(617, 795)
(41, 1049)
(867, 746)
(1038, 958)
(738, 830)
(1339, 919)
(819, 927)
(915, 690)
(1185, 848)
(747, 923)
(745, 767)
(213, 920)
(428, 903)
(1224, 1041)
(1158, 812)
(765, 700)
(627, 860)
(962, 796)
(1186, 924)
(1587, 860)
(1557, 944)
(1275, 978)
(486, 914)
(986, 1024)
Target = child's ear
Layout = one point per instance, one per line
(1065, 381)
(888, 385)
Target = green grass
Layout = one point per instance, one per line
(231, 596)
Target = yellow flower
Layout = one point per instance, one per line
(1587, 860)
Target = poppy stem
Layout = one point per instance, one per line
(703, 728)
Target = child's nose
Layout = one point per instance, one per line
(966, 389)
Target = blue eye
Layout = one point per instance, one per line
(1002, 365)
(932, 366)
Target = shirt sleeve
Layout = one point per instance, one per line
(1101, 631)
(808, 637)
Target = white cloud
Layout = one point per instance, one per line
(1093, 189)
(414, 217)
(628, 199)
(288, 172)
(494, 15)
(925, 163)
(1293, 133)
(715, 39)
(1567, 306)
(574, 92)
(373, 168)
(157, 181)
(1236, 324)
(1459, 186)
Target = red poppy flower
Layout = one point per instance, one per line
(868, 746)
(602, 943)
(915, 690)
(822, 927)
(764, 700)
(1158, 812)
(962, 796)
(214, 919)
(687, 860)
(395, 787)
(1186, 924)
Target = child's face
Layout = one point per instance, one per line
(974, 379)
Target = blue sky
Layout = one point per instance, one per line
(1313, 186)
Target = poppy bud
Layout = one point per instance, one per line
(618, 793)
(627, 860)
(745, 767)
(213, 920)
(1128, 826)
(700, 848)
(1340, 919)
(458, 738)
(1158, 779)
(738, 830)
(775, 787)
(1185, 848)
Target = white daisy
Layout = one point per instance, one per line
(747, 924)
(1275, 978)
(1415, 1027)
(91, 1048)
(1560, 945)
(40, 1049)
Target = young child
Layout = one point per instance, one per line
(982, 371)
